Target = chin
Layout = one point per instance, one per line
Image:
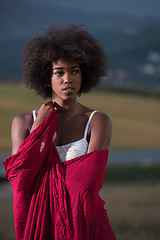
(68, 98)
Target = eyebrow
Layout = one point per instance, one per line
(63, 67)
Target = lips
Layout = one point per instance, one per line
(68, 89)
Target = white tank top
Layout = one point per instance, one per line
(74, 149)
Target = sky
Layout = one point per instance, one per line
(137, 7)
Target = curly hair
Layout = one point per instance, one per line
(69, 42)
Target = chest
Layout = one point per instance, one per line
(68, 132)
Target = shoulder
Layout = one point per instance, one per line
(100, 131)
(101, 119)
(24, 120)
(20, 129)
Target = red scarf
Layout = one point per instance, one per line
(54, 200)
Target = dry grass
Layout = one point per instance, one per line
(136, 120)
(133, 210)
(6, 212)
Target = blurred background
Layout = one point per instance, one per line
(129, 31)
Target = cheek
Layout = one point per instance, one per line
(53, 84)
(55, 81)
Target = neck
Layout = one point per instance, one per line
(65, 109)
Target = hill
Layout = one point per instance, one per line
(131, 40)
(135, 119)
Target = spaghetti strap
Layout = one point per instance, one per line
(87, 125)
(34, 114)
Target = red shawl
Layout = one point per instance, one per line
(54, 200)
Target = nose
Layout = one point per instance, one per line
(67, 79)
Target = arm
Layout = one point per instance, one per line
(19, 132)
(100, 132)
(20, 125)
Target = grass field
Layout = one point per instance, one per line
(133, 206)
(136, 120)
(133, 210)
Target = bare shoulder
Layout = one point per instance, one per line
(99, 119)
(100, 132)
(102, 120)
(24, 119)
(20, 129)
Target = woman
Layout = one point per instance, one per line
(60, 150)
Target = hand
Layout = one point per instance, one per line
(43, 112)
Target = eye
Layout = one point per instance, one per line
(59, 73)
(75, 72)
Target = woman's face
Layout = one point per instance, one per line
(66, 79)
